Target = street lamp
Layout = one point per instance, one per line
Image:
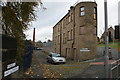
(119, 29)
(106, 41)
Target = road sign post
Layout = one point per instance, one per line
(106, 42)
(119, 29)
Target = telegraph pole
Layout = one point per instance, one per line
(106, 41)
(119, 29)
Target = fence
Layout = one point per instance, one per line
(9, 51)
(115, 69)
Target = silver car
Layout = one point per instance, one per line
(55, 58)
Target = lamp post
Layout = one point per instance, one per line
(119, 29)
(106, 41)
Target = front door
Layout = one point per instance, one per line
(75, 55)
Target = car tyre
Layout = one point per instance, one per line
(54, 63)
(63, 62)
(47, 60)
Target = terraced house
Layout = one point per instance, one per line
(75, 35)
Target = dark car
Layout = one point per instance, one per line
(37, 48)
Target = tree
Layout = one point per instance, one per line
(39, 41)
(17, 17)
(49, 40)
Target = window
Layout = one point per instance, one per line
(62, 25)
(58, 39)
(71, 34)
(59, 27)
(55, 50)
(82, 11)
(63, 38)
(95, 31)
(71, 16)
(82, 30)
(95, 13)
(66, 20)
(55, 40)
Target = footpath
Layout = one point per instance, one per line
(95, 70)
(34, 71)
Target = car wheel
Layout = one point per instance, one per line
(54, 63)
(47, 60)
(63, 62)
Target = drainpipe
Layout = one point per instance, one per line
(73, 9)
(74, 33)
(60, 36)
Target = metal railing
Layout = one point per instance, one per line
(115, 69)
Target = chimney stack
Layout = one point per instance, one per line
(34, 37)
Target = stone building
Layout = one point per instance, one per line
(75, 35)
(111, 35)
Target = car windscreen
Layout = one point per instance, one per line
(56, 55)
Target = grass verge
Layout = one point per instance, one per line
(112, 45)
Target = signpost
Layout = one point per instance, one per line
(84, 50)
(106, 41)
(11, 69)
(119, 29)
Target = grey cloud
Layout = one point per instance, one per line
(56, 10)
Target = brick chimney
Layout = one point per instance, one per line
(34, 37)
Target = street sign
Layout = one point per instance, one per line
(9, 51)
(10, 71)
(84, 50)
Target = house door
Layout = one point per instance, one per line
(75, 55)
(66, 53)
(110, 37)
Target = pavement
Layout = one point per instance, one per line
(95, 70)
(34, 71)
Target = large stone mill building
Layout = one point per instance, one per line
(75, 35)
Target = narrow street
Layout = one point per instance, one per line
(40, 68)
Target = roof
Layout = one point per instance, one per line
(77, 3)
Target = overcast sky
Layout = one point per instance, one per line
(56, 9)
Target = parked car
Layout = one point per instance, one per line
(37, 48)
(55, 58)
